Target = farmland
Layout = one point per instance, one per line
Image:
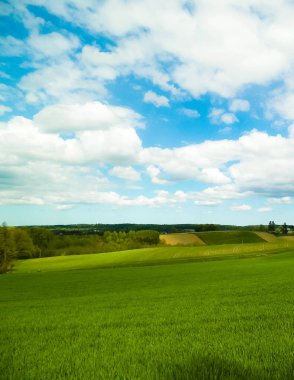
(217, 238)
(181, 239)
(151, 256)
(229, 237)
(120, 315)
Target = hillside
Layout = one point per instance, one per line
(182, 239)
(150, 256)
(229, 237)
(267, 236)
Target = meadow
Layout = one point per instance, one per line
(219, 319)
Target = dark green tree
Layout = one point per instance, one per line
(7, 248)
(23, 244)
(284, 229)
(271, 226)
(41, 237)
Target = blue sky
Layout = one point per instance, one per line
(146, 112)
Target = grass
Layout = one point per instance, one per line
(182, 239)
(229, 237)
(290, 238)
(150, 256)
(229, 319)
(267, 236)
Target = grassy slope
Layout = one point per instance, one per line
(228, 319)
(229, 237)
(267, 236)
(148, 256)
(182, 239)
(274, 239)
(289, 238)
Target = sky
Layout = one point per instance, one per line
(150, 111)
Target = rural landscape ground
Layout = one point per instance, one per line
(215, 308)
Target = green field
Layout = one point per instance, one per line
(229, 237)
(80, 319)
(151, 256)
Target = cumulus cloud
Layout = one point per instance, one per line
(281, 200)
(186, 51)
(208, 202)
(4, 109)
(218, 194)
(194, 114)
(283, 103)
(114, 143)
(61, 82)
(87, 116)
(125, 172)
(182, 49)
(197, 41)
(254, 163)
(219, 115)
(36, 151)
(228, 118)
(155, 99)
(239, 105)
(291, 131)
(11, 46)
(52, 44)
(155, 175)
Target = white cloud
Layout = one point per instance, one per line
(291, 131)
(4, 109)
(228, 118)
(114, 143)
(198, 162)
(255, 163)
(10, 46)
(239, 105)
(281, 200)
(38, 163)
(125, 172)
(243, 207)
(52, 44)
(283, 103)
(87, 116)
(212, 175)
(219, 115)
(61, 82)
(196, 51)
(154, 173)
(218, 194)
(155, 99)
(208, 202)
(215, 114)
(190, 113)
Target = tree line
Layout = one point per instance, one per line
(279, 229)
(24, 243)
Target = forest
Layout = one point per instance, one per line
(25, 243)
